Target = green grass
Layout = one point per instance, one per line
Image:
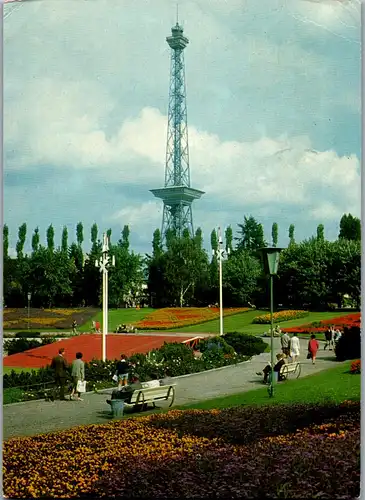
(243, 323)
(329, 386)
(116, 317)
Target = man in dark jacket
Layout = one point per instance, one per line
(60, 367)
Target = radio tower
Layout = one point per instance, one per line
(177, 195)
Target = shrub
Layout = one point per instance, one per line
(27, 335)
(21, 345)
(246, 345)
(355, 366)
(265, 319)
(348, 345)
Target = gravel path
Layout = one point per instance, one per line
(36, 417)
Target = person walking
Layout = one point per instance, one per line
(329, 338)
(313, 346)
(294, 347)
(285, 344)
(122, 371)
(60, 367)
(74, 327)
(78, 374)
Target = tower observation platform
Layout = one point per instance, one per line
(177, 194)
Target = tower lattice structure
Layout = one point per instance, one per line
(177, 194)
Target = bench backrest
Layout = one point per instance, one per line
(291, 367)
(152, 393)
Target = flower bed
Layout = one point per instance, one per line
(234, 453)
(340, 322)
(265, 319)
(355, 367)
(168, 318)
(46, 318)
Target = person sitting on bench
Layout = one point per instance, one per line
(126, 392)
(281, 360)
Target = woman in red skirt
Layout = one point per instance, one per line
(313, 346)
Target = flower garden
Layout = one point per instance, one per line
(348, 320)
(265, 319)
(45, 318)
(291, 451)
(167, 318)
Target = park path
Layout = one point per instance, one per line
(37, 417)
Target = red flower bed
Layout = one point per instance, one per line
(355, 366)
(239, 452)
(170, 317)
(340, 322)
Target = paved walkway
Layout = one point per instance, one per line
(37, 417)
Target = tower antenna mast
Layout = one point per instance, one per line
(177, 194)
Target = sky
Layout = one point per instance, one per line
(273, 98)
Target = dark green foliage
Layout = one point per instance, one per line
(349, 344)
(27, 335)
(22, 234)
(22, 344)
(291, 234)
(320, 232)
(350, 228)
(5, 241)
(251, 235)
(246, 345)
(274, 234)
(35, 240)
(50, 238)
(64, 243)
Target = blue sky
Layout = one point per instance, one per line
(273, 93)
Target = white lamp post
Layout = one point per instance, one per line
(103, 264)
(221, 253)
(29, 299)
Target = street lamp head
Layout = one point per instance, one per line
(96, 263)
(270, 257)
(29, 296)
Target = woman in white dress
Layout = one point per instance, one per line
(294, 347)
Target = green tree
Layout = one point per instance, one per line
(35, 240)
(214, 240)
(50, 277)
(251, 235)
(240, 275)
(64, 241)
(50, 238)
(22, 235)
(80, 234)
(109, 234)
(94, 236)
(77, 278)
(275, 234)
(157, 243)
(229, 239)
(5, 241)
(291, 234)
(320, 232)
(350, 228)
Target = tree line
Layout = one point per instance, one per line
(312, 273)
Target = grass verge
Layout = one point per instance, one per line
(328, 386)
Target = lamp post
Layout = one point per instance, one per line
(270, 256)
(221, 253)
(29, 299)
(103, 265)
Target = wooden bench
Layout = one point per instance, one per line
(290, 368)
(142, 397)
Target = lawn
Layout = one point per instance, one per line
(7, 369)
(329, 386)
(117, 317)
(243, 323)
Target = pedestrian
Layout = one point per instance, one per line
(78, 374)
(285, 344)
(329, 338)
(60, 367)
(294, 347)
(313, 347)
(93, 326)
(74, 326)
(97, 326)
(122, 371)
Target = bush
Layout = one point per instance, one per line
(246, 345)
(349, 344)
(21, 345)
(27, 335)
